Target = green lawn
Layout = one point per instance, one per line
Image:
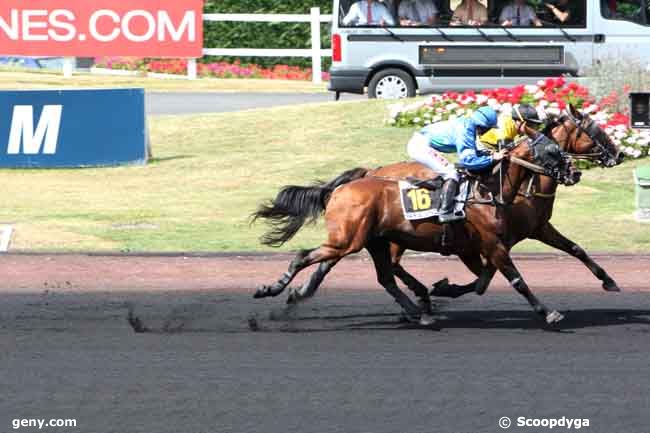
(23, 80)
(211, 171)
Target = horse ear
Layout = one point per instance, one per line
(574, 112)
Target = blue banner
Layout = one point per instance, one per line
(72, 128)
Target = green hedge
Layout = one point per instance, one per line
(264, 35)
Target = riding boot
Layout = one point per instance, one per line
(448, 202)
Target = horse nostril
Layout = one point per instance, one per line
(620, 157)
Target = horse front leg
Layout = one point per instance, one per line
(553, 238)
(500, 258)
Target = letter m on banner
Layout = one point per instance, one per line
(34, 141)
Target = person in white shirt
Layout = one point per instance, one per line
(417, 13)
(519, 14)
(368, 13)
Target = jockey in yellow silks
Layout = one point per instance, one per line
(509, 126)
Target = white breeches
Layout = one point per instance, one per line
(420, 150)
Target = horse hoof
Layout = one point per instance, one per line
(611, 286)
(554, 317)
(440, 288)
(261, 292)
(292, 299)
(427, 320)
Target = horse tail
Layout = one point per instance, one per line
(295, 206)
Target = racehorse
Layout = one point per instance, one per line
(365, 212)
(577, 134)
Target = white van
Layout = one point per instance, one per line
(411, 46)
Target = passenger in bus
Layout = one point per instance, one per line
(417, 13)
(470, 13)
(565, 12)
(519, 14)
(369, 13)
(455, 135)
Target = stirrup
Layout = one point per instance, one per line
(451, 217)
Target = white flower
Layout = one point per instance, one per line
(395, 110)
(453, 117)
(460, 111)
(543, 103)
(437, 118)
(541, 83)
(481, 99)
(554, 110)
(452, 106)
(621, 128)
(590, 109)
(539, 95)
(620, 135)
(531, 88)
(609, 130)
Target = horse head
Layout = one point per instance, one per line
(544, 156)
(582, 137)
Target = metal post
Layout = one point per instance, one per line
(191, 69)
(316, 65)
(68, 66)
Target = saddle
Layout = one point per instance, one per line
(420, 198)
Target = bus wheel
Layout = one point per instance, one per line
(391, 84)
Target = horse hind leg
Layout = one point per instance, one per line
(413, 284)
(308, 289)
(299, 262)
(379, 250)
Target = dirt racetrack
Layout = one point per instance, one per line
(342, 362)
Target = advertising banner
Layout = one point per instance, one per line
(72, 128)
(89, 28)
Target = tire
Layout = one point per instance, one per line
(391, 84)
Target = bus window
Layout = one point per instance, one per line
(418, 13)
(628, 10)
(469, 13)
(540, 13)
(366, 13)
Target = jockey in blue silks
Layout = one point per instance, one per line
(428, 145)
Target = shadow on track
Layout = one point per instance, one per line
(293, 322)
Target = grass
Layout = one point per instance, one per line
(11, 79)
(211, 171)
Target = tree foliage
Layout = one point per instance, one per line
(263, 35)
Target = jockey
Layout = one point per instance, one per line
(457, 135)
(509, 127)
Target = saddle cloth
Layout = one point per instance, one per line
(421, 203)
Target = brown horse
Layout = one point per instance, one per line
(532, 209)
(366, 213)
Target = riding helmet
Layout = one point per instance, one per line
(485, 117)
(526, 113)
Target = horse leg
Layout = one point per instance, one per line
(411, 282)
(551, 237)
(299, 262)
(500, 258)
(484, 272)
(309, 288)
(379, 250)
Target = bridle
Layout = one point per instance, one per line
(587, 126)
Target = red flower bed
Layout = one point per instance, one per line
(214, 70)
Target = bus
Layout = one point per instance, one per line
(395, 49)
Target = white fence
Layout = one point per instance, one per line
(315, 52)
